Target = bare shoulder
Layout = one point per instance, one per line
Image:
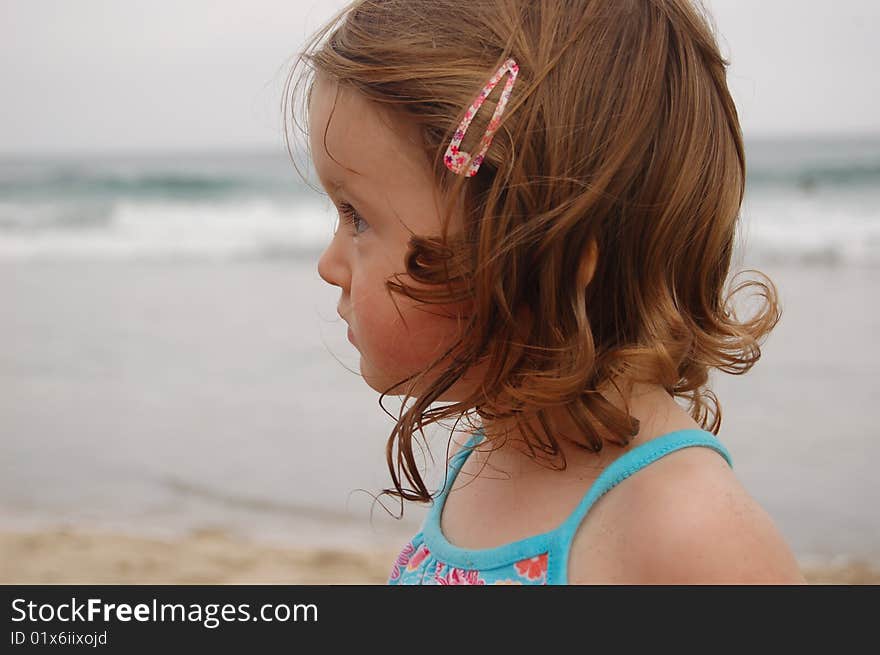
(684, 519)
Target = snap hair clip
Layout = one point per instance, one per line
(455, 158)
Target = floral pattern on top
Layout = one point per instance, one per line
(417, 565)
(402, 560)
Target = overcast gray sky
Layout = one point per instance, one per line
(116, 75)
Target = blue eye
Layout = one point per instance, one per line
(352, 217)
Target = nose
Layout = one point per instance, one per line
(331, 265)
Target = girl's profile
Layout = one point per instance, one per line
(538, 218)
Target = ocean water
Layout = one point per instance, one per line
(170, 359)
(226, 206)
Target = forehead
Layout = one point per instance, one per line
(354, 143)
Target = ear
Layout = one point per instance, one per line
(588, 264)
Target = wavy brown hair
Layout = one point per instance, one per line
(620, 136)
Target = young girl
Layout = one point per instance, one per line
(539, 203)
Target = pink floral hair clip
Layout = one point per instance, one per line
(456, 158)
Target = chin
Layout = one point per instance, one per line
(381, 384)
(448, 396)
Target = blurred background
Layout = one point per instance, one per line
(178, 399)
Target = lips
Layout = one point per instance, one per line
(350, 333)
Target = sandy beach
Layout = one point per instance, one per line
(64, 556)
(205, 557)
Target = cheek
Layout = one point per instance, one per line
(397, 336)
(402, 345)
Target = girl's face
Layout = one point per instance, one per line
(389, 191)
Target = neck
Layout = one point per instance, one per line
(655, 409)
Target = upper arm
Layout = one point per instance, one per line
(685, 519)
(709, 533)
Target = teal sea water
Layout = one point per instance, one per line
(170, 359)
(808, 200)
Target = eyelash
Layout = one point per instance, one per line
(351, 216)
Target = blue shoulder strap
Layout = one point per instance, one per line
(630, 462)
(455, 464)
(616, 472)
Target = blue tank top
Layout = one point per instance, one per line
(429, 559)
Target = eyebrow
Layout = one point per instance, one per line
(363, 203)
(333, 183)
(337, 183)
